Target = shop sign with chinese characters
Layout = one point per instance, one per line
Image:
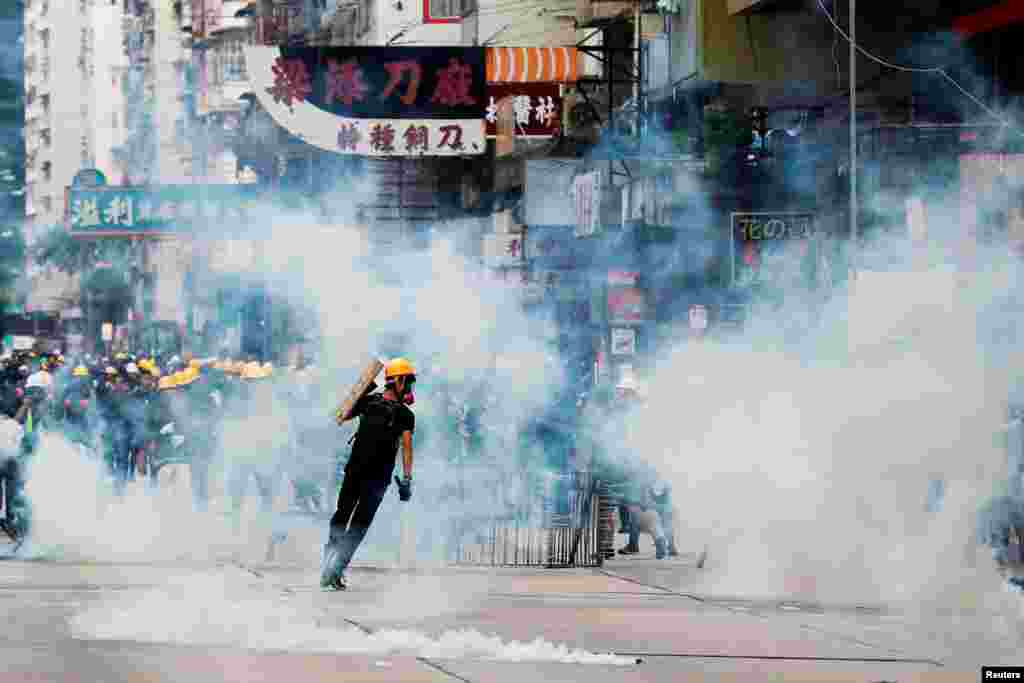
(771, 247)
(536, 108)
(154, 210)
(373, 101)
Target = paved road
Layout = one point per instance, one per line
(253, 620)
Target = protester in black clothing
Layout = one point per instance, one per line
(384, 420)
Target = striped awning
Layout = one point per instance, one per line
(533, 64)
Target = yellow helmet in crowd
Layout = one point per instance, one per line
(397, 368)
(254, 370)
(80, 371)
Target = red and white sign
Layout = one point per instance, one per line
(626, 305)
(622, 278)
(536, 109)
(698, 317)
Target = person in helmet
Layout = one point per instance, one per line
(78, 408)
(385, 420)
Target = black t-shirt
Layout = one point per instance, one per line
(381, 425)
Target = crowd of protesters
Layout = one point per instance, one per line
(137, 414)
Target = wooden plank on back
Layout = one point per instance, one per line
(372, 369)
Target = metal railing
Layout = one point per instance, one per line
(530, 523)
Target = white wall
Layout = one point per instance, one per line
(108, 105)
(168, 50)
(530, 24)
(389, 20)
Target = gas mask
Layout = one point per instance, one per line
(408, 397)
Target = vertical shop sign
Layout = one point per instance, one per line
(623, 341)
(587, 198)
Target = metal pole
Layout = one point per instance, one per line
(636, 63)
(854, 237)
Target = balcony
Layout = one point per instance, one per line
(590, 12)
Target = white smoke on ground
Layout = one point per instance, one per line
(206, 610)
(75, 515)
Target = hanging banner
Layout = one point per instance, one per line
(198, 18)
(536, 109)
(586, 190)
(374, 101)
(212, 16)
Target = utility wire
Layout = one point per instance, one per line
(917, 69)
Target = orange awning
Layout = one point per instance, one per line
(533, 64)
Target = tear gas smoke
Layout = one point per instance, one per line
(205, 610)
(466, 341)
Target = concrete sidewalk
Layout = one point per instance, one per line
(667, 635)
(178, 619)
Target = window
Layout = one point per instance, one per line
(45, 135)
(47, 204)
(445, 11)
(45, 101)
(47, 171)
(229, 65)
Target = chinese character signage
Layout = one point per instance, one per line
(536, 109)
(373, 101)
(771, 247)
(156, 210)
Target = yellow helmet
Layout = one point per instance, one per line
(80, 371)
(398, 367)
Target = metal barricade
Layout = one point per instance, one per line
(546, 522)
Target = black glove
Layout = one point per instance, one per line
(404, 489)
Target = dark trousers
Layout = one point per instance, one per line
(357, 505)
(10, 480)
(199, 468)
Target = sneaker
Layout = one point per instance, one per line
(629, 550)
(659, 549)
(328, 569)
(672, 552)
(337, 583)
